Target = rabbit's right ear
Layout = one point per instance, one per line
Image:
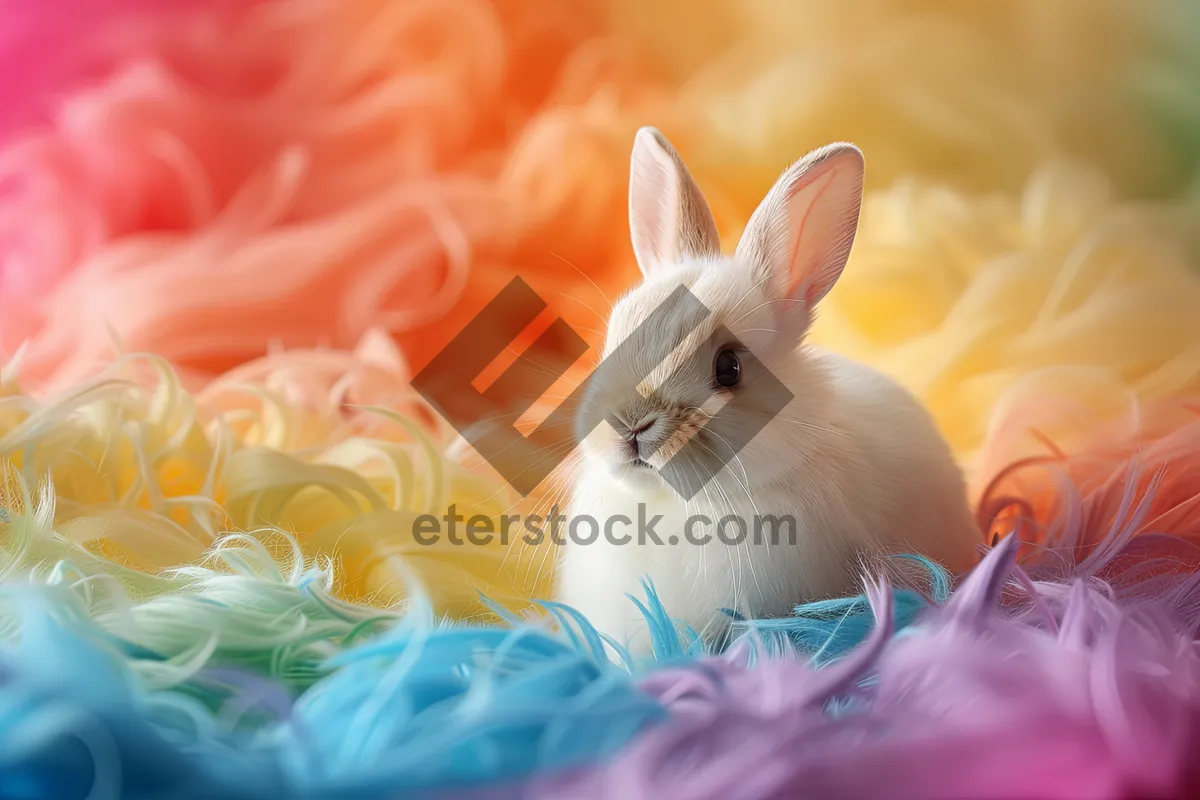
(669, 219)
(799, 238)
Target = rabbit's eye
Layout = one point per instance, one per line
(727, 369)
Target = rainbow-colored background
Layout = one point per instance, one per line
(231, 231)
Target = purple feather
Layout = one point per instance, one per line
(978, 699)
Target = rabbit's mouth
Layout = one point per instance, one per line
(638, 475)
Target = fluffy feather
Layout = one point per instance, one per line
(1092, 699)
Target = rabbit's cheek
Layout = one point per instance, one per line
(602, 443)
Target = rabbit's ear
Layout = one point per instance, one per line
(799, 238)
(669, 219)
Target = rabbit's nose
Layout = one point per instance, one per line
(644, 425)
(646, 435)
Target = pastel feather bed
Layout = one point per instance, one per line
(230, 234)
(1010, 687)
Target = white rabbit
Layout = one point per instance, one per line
(853, 458)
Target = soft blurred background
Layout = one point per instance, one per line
(293, 204)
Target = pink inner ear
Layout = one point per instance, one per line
(654, 205)
(813, 273)
(802, 232)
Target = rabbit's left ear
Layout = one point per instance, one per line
(799, 237)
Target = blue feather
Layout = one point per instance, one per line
(827, 629)
(416, 707)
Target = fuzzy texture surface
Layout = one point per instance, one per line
(247, 676)
(231, 232)
(1089, 698)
